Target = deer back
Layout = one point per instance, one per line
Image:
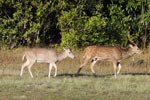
(42, 55)
(103, 52)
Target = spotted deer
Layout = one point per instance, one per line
(40, 55)
(108, 53)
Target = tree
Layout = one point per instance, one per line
(76, 23)
(28, 22)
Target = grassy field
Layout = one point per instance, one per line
(133, 83)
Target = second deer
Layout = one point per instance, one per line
(108, 53)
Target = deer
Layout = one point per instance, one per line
(113, 54)
(43, 55)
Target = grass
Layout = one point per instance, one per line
(132, 83)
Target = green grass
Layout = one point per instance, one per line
(75, 88)
(132, 84)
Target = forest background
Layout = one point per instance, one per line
(75, 23)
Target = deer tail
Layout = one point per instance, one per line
(84, 53)
(23, 56)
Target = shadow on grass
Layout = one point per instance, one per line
(99, 76)
(84, 75)
(134, 74)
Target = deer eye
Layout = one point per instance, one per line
(69, 52)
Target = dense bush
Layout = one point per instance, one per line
(75, 23)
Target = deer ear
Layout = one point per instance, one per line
(64, 48)
(130, 45)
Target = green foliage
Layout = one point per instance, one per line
(76, 23)
(83, 30)
(27, 20)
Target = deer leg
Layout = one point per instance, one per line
(82, 65)
(50, 68)
(29, 69)
(55, 69)
(133, 60)
(115, 68)
(23, 66)
(119, 67)
(92, 65)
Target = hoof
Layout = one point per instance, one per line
(76, 74)
(94, 74)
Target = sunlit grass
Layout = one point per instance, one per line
(131, 84)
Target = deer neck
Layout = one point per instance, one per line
(61, 56)
(127, 53)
